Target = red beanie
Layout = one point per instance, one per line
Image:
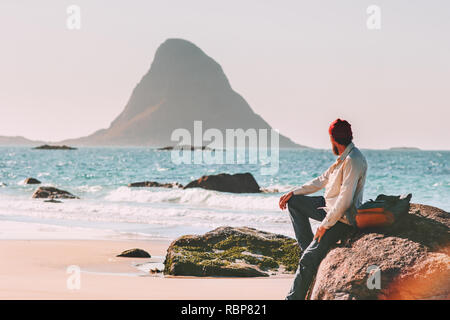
(340, 129)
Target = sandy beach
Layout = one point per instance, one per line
(37, 269)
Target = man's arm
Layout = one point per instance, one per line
(315, 184)
(351, 174)
(309, 187)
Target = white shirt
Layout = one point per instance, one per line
(343, 182)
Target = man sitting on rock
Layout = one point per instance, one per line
(344, 183)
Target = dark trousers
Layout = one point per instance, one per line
(301, 208)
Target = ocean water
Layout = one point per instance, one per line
(99, 176)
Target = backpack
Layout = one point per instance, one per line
(381, 212)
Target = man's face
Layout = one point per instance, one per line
(334, 147)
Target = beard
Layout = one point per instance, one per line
(335, 150)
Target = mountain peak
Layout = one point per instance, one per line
(174, 49)
(183, 85)
(177, 58)
(176, 44)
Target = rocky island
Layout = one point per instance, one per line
(185, 147)
(49, 147)
(404, 149)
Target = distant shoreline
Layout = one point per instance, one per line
(6, 141)
(405, 148)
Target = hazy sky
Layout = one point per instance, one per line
(299, 64)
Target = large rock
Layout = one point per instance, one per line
(237, 183)
(148, 184)
(412, 255)
(232, 252)
(52, 193)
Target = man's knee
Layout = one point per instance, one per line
(294, 205)
(297, 200)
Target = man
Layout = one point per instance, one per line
(344, 183)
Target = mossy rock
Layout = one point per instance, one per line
(232, 252)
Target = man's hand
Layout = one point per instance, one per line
(319, 233)
(284, 199)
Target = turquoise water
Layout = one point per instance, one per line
(100, 176)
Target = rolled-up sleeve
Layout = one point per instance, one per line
(315, 184)
(350, 176)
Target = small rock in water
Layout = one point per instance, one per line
(53, 201)
(155, 184)
(265, 190)
(32, 181)
(185, 147)
(52, 193)
(135, 253)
